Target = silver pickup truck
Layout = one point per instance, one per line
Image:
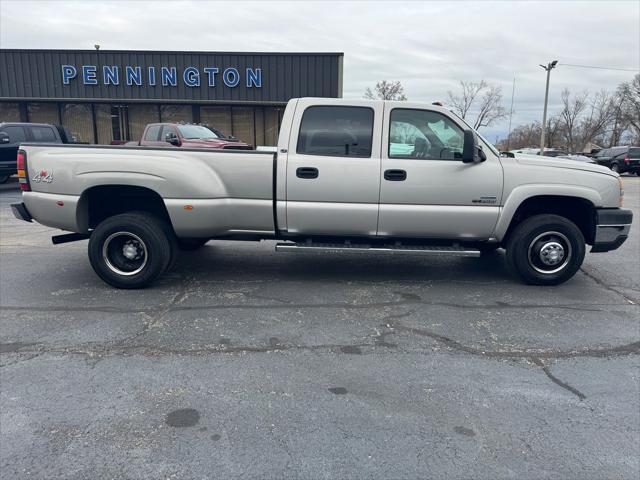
(360, 176)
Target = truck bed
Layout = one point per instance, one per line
(207, 193)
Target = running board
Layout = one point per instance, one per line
(400, 249)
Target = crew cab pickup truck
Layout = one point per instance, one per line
(359, 176)
(186, 135)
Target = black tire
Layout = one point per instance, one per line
(4, 178)
(131, 250)
(615, 167)
(191, 244)
(545, 250)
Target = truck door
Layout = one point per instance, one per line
(333, 168)
(426, 190)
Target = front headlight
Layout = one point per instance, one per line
(621, 191)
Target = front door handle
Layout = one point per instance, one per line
(307, 172)
(395, 175)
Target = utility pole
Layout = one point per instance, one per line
(548, 68)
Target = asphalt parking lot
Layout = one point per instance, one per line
(244, 363)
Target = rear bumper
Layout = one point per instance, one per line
(20, 212)
(612, 228)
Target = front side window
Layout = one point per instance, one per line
(423, 134)
(166, 130)
(43, 134)
(336, 131)
(152, 133)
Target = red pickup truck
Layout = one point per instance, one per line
(188, 136)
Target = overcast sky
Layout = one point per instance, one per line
(429, 46)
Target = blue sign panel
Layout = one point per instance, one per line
(165, 76)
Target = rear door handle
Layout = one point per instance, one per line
(307, 172)
(395, 175)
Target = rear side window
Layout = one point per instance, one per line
(43, 134)
(336, 131)
(16, 134)
(152, 133)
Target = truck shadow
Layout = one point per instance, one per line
(221, 262)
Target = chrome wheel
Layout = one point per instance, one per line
(549, 252)
(124, 253)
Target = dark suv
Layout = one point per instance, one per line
(13, 134)
(620, 159)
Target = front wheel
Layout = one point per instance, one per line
(546, 250)
(4, 178)
(130, 250)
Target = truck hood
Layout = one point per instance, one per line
(555, 162)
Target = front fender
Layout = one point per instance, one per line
(521, 193)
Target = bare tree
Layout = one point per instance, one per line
(572, 108)
(630, 93)
(606, 118)
(462, 103)
(479, 99)
(597, 121)
(554, 131)
(386, 90)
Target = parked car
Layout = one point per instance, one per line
(337, 183)
(620, 159)
(187, 135)
(13, 134)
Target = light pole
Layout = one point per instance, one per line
(548, 68)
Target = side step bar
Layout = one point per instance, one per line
(400, 249)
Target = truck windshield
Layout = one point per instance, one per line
(195, 131)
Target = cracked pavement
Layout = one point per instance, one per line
(244, 363)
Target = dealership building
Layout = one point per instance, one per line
(105, 96)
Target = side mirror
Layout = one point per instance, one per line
(231, 137)
(471, 151)
(172, 138)
(4, 138)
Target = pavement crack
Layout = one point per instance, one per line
(627, 349)
(175, 306)
(556, 380)
(606, 286)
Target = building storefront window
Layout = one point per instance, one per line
(176, 113)
(43, 113)
(78, 119)
(104, 124)
(271, 126)
(217, 117)
(243, 124)
(259, 117)
(9, 112)
(139, 117)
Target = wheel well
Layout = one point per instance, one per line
(101, 202)
(580, 211)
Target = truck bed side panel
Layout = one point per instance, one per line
(229, 191)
